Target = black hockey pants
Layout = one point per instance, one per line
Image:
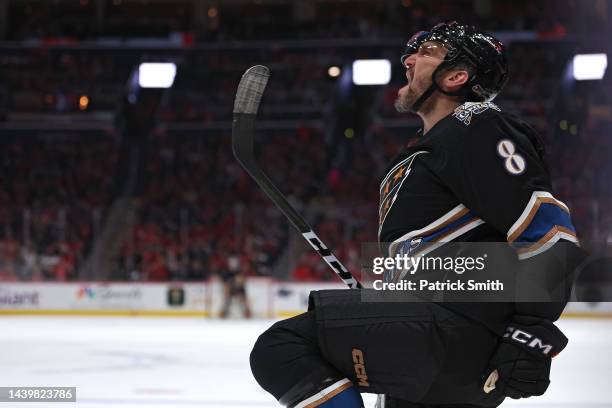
(418, 354)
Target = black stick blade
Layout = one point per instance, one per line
(251, 89)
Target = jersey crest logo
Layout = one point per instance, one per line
(514, 163)
(464, 113)
(392, 183)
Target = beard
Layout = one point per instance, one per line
(405, 100)
(408, 97)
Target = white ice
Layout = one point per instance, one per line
(188, 363)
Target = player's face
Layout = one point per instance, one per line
(419, 68)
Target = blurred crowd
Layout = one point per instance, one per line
(53, 196)
(199, 21)
(196, 213)
(198, 210)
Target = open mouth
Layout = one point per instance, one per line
(409, 79)
(409, 75)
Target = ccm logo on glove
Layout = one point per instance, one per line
(528, 339)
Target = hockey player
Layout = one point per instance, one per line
(234, 286)
(476, 174)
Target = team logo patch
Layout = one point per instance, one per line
(464, 113)
(513, 162)
(392, 183)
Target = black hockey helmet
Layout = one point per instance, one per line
(469, 45)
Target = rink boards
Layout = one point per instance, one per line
(267, 299)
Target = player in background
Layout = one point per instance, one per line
(476, 174)
(234, 288)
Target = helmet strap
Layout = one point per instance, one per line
(429, 91)
(464, 91)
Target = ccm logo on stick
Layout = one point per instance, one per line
(529, 339)
(360, 371)
(330, 258)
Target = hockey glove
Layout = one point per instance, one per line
(523, 358)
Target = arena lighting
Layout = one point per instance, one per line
(371, 72)
(156, 74)
(83, 102)
(334, 71)
(589, 66)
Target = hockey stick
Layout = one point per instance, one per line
(250, 90)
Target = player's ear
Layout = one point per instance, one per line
(455, 79)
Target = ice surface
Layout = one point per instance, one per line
(188, 363)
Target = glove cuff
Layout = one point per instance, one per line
(537, 336)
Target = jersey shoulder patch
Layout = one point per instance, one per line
(465, 112)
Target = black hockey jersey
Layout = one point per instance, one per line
(477, 175)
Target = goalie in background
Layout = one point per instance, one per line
(233, 278)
